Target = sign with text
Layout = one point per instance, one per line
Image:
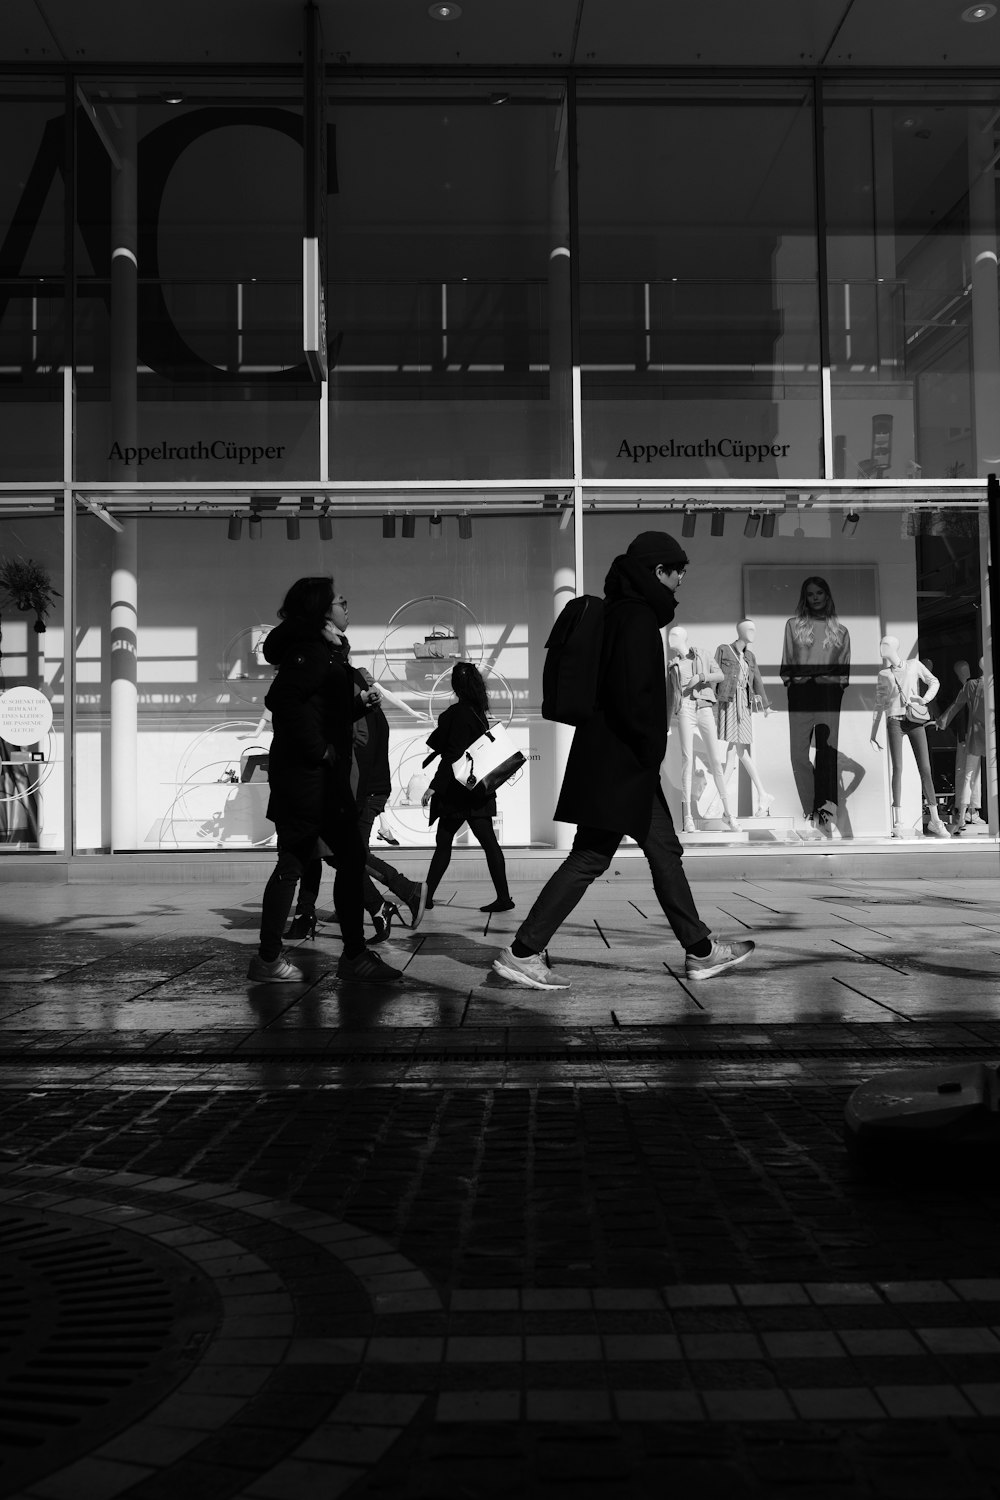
(25, 716)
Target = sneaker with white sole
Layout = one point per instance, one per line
(722, 957)
(532, 971)
(278, 971)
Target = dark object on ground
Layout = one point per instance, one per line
(907, 1111)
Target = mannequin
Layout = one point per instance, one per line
(898, 683)
(692, 678)
(740, 693)
(972, 697)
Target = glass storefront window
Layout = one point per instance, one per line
(846, 598)
(179, 762)
(32, 749)
(699, 313)
(189, 286)
(448, 295)
(911, 209)
(32, 287)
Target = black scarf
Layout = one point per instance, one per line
(628, 579)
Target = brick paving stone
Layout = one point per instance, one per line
(568, 1405)
(479, 1406)
(923, 1401)
(298, 1480)
(827, 1404)
(748, 1405)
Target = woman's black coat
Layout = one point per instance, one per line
(613, 770)
(313, 705)
(457, 728)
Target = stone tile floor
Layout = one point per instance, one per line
(453, 1239)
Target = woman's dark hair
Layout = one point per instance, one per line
(469, 687)
(307, 604)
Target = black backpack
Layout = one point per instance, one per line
(572, 661)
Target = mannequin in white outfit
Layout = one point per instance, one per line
(740, 695)
(899, 683)
(692, 679)
(972, 697)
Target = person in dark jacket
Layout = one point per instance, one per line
(313, 705)
(371, 784)
(612, 783)
(451, 804)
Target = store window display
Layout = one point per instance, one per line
(973, 698)
(692, 676)
(816, 668)
(739, 695)
(902, 693)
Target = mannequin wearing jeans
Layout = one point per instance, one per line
(972, 697)
(898, 683)
(692, 706)
(816, 668)
(739, 695)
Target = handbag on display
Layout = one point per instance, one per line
(915, 710)
(488, 762)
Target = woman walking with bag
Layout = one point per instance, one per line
(451, 804)
(312, 806)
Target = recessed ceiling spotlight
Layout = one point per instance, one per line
(171, 96)
(499, 99)
(982, 12)
(444, 11)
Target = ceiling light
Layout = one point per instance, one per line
(850, 525)
(435, 525)
(689, 523)
(444, 11)
(767, 524)
(254, 528)
(499, 99)
(388, 525)
(465, 526)
(98, 510)
(409, 525)
(752, 523)
(292, 528)
(718, 522)
(235, 527)
(171, 96)
(325, 528)
(982, 12)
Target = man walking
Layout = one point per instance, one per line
(612, 782)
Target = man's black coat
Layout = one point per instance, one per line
(613, 770)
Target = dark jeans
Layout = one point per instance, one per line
(481, 825)
(592, 852)
(814, 718)
(297, 862)
(917, 736)
(379, 869)
(386, 874)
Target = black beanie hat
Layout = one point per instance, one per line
(655, 547)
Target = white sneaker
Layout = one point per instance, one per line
(533, 971)
(722, 957)
(279, 971)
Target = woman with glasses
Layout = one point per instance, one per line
(312, 805)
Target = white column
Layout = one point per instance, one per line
(123, 620)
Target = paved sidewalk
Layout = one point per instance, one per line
(455, 1239)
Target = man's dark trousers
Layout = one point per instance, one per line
(592, 852)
